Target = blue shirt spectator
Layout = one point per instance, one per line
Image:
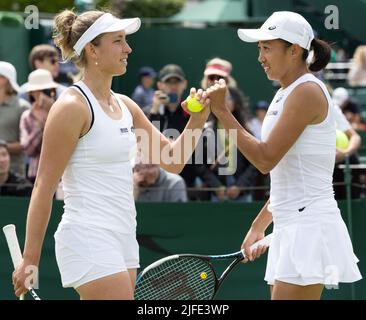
(144, 92)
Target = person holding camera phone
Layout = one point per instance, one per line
(42, 94)
(165, 111)
(167, 115)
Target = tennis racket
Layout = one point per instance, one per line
(16, 254)
(186, 276)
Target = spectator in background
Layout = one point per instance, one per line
(11, 109)
(43, 56)
(167, 114)
(11, 184)
(144, 92)
(340, 54)
(357, 73)
(165, 110)
(217, 69)
(255, 124)
(339, 96)
(239, 173)
(42, 93)
(245, 175)
(343, 125)
(342, 100)
(353, 115)
(154, 184)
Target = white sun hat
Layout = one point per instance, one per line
(106, 23)
(8, 71)
(286, 25)
(40, 79)
(339, 96)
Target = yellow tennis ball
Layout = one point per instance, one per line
(342, 141)
(193, 105)
(203, 275)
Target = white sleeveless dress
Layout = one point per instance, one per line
(311, 243)
(97, 234)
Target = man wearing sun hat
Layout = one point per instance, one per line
(42, 93)
(11, 109)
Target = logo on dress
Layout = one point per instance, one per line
(272, 28)
(272, 113)
(279, 99)
(123, 130)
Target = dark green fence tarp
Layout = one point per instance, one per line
(165, 229)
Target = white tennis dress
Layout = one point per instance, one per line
(311, 243)
(97, 234)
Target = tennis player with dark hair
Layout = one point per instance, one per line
(311, 247)
(89, 140)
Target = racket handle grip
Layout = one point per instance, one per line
(14, 248)
(266, 241)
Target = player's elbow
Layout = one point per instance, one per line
(266, 160)
(264, 169)
(265, 166)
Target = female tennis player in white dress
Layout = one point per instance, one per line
(311, 247)
(89, 140)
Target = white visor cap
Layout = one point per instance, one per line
(106, 23)
(286, 25)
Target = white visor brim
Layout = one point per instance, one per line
(254, 35)
(106, 23)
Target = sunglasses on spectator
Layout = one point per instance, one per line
(48, 92)
(214, 77)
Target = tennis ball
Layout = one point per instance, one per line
(342, 141)
(203, 275)
(193, 105)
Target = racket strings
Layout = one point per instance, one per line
(182, 278)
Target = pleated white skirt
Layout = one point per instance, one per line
(311, 250)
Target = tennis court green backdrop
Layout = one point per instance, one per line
(156, 47)
(165, 229)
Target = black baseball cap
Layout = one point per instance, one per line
(171, 71)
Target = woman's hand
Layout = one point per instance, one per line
(24, 276)
(252, 237)
(159, 98)
(40, 108)
(217, 94)
(203, 99)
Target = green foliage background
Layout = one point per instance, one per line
(127, 8)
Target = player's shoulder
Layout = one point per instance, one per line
(307, 93)
(309, 90)
(72, 102)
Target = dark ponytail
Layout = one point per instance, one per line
(322, 52)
